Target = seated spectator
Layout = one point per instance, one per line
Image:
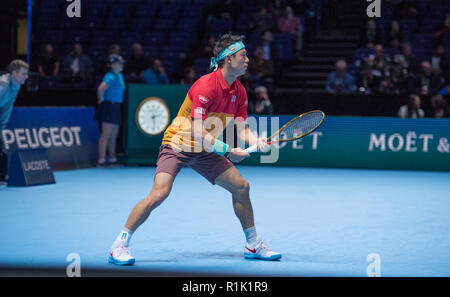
(438, 60)
(289, 23)
(340, 81)
(261, 69)
(268, 46)
(443, 29)
(77, 66)
(394, 35)
(262, 104)
(412, 110)
(440, 107)
(189, 76)
(137, 63)
(425, 83)
(207, 50)
(367, 83)
(397, 80)
(155, 74)
(48, 62)
(379, 61)
(370, 35)
(261, 21)
(114, 49)
(409, 62)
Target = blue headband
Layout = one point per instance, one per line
(232, 49)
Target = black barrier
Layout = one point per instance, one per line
(29, 168)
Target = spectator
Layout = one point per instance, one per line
(48, 62)
(370, 35)
(262, 104)
(207, 50)
(396, 82)
(155, 74)
(408, 61)
(367, 83)
(77, 66)
(394, 35)
(440, 107)
(443, 29)
(110, 98)
(426, 83)
(289, 23)
(412, 110)
(9, 88)
(189, 76)
(261, 21)
(260, 69)
(268, 47)
(339, 81)
(438, 61)
(137, 63)
(379, 61)
(114, 49)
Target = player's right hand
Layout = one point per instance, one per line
(237, 155)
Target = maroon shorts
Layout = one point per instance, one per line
(209, 165)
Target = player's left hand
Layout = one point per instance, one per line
(262, 145)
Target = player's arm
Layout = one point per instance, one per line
(249, 137)
(245, 134)
(212, 144)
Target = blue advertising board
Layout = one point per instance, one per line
(70, 134)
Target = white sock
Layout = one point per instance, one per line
(250, 235)
(123, 239)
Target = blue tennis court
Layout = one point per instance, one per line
(325, 222)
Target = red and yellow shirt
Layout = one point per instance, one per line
(212, 100)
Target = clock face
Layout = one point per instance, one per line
(152, 116)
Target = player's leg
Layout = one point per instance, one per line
(239, 188)
(120, 253)
(232, 181)
(112, 142)
(161, 189)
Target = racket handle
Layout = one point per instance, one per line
(251, 149)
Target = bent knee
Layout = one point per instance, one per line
(242, 188)
(157, 196)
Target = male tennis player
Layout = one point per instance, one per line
(218, 94)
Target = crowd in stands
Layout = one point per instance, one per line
(386, 63)
(273, 29)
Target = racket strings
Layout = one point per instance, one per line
(302, 125)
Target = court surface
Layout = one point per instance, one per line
(325, 222)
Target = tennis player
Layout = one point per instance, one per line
(218, 94)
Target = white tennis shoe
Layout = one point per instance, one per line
(120, 255)
(261, 252)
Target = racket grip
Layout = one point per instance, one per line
(251, 149)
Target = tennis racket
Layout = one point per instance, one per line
(296, 128)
